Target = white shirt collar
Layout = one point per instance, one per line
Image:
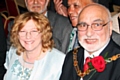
(46, 14)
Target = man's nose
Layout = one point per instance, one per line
(70, 10)
(35, 1)
(89, 31)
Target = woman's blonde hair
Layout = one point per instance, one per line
(42, 25)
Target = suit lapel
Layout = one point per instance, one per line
(108, 49)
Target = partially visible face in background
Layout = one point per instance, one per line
(74, 8)
(39, 6)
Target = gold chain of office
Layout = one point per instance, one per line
(76, 66)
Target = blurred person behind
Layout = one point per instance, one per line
(74, 8)
(60, 6)
(32, 56)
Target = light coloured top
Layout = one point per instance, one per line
(47, 68)
(116, 23)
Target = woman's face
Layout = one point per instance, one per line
(30, 37)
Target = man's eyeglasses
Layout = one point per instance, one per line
(96, 26)
(32, 33)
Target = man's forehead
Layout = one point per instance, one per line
(91, 21)
(92, 17)
(93, 10)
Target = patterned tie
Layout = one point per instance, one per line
(72, 39)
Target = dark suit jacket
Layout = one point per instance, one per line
(111, 72)
(61, 28)
(3, 48)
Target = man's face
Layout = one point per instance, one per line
(39, 6)
(90, 39)
(74, 8)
